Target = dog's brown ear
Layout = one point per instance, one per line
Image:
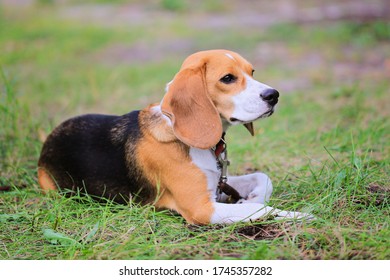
(196, 121)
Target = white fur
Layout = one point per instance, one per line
(229, 56)
(255, 189)
(205, 160)
(157, 111)
(248, 105)
(167, 86)
(231, 213)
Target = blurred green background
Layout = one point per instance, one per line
(71, 56)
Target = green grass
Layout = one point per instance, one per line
(326, 148)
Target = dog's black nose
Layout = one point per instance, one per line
(270, 96)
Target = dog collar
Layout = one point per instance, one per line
(220, 147)
(220, 153)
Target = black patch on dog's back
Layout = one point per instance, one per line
(96, 154)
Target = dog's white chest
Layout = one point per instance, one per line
(205, 161)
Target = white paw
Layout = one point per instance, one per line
(254, 197)
(288, 215)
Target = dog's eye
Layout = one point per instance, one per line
(253, 71)
(228, 79)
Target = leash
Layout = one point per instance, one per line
(220, 152)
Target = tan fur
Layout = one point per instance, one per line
(195, 119)
(214, 65)
(45, 181)
(195, 99)
(181, 185)
(157, 125)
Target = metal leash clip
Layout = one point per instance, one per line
(223, 163)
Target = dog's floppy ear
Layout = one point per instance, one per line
(196, 121)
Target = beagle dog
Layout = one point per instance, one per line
(171, 154)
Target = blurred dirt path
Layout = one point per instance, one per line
(242, 13)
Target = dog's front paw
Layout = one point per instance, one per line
(289, 215)
(253, 197)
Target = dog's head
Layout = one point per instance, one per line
(213, 88)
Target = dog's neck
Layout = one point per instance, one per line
(225, 125)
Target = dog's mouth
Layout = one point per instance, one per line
(267, 114)
(249, 124)
(264, 115)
